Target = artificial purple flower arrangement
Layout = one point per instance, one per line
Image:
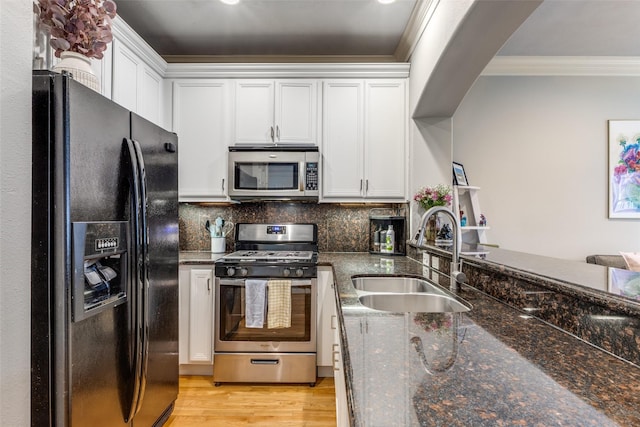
(82, 26)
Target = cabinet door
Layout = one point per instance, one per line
(385, 333)
(296, 112)
(135, 86)
(201, 316)
(342, 147)
(184, 280)
(326, 317)
(342, 410)
(385, 139)
(125, 76)
(253, 118)
(149, 90)
(200, 118)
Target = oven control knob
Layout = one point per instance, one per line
(231, 271)
(299, 272)
(244, 272)
(286, 272)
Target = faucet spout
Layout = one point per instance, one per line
(456, 274)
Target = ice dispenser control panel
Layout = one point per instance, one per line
(100, 252)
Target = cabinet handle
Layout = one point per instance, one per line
(278, 132)
(361, 186)
(334, 326)
(209, 285)
(271, 133)
(223, 184)
(366, 186)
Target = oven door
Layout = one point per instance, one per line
(232, 335)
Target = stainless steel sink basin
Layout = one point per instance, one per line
(413, 303)
(394, 284)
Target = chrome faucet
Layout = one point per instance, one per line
(456, 274)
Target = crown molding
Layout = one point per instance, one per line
(287, 70)
(420, 17)
(125, 34)
(563, 66)
(235, 59)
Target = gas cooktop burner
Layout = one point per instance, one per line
(269, 255)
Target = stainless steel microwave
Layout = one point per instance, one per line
(274, 172)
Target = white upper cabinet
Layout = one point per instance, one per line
(275, 112)
(385, 126)
(135, 85)
(201, 120)
(364, 140)
(343, 139)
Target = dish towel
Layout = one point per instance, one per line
(279, 304)
(254, 303)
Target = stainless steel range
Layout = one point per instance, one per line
(265, 328)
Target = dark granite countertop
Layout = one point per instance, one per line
(509, 368)
(612, 282)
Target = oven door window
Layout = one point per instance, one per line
(232, 315)
(266, 176)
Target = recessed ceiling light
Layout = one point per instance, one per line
(232, 1)
(386, 1)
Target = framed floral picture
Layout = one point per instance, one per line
(624, 168)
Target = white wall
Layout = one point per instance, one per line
(430, 139)
(537, 146)
(16, 39)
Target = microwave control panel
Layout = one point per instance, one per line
(311, 176)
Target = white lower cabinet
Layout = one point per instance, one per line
(196, 320)
(327, 322)
(329, 358)
(340, 382)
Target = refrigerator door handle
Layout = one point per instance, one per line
(137, 284)
(144, 297)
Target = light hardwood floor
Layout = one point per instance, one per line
(200, 403)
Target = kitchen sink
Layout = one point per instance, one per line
(413, 303)
(394, 284)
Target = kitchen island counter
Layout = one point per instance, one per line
(493, 365)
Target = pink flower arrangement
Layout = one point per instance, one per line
(428, 197)
(82, 26)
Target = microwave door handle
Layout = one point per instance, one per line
(303, 176)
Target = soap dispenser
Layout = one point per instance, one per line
(390, 240)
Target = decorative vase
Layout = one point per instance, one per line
(431, 232)
(79, 66)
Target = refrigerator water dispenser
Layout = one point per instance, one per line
(99, 266)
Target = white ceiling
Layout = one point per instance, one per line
(579, 28)
(365, 27)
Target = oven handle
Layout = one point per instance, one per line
(240, 282)
(265, 361)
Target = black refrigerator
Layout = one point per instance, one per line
(104, 273)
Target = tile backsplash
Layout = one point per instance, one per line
(341, 228)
